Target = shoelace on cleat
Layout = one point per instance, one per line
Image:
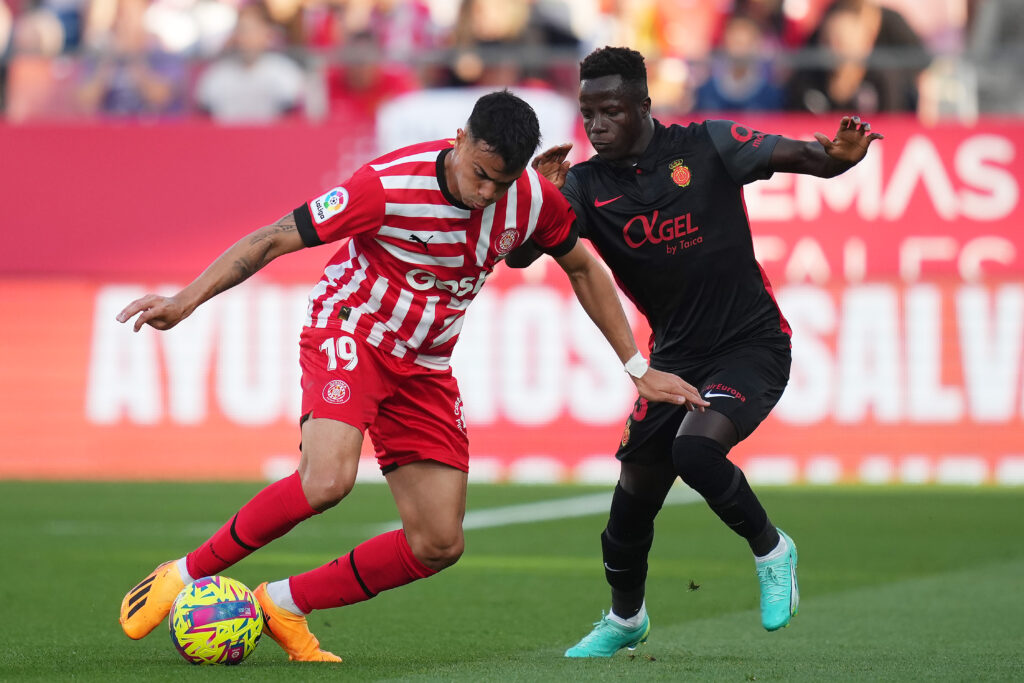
(776, 587)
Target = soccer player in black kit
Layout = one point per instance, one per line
(664, 208)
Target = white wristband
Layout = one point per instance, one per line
(637, 365)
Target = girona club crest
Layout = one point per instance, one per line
(506, 241)
(336, 391)
(680, 173)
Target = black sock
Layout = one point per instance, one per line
(625, 544)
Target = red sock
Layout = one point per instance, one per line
(272, 513)
(383, 562)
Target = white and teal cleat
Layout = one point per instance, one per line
(608, 637)
(780, 595)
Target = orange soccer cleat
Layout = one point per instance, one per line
(146, 605)
(291, 631)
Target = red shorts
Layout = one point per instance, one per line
(413, 413)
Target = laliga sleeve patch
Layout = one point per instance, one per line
(328, 205)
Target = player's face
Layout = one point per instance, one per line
(613, 117)
(477, 176)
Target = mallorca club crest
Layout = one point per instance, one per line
(680, 173)
(506, 241)
(336, 391)
(625, 432)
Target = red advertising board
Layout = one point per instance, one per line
(903, 281)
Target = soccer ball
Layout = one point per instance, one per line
(215, 620)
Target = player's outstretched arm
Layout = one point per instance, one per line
(241, 260)
(825, 158)
(597, 295)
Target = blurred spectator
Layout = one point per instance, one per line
(783, 23)
(741, 77)
(199, 28)
(874, 60)
(6, 24)
(132, 77)
(254, 84)
(401, 29)
(489, 35)
(39, 78)
(71, 14)
(996, 46)
(549, 31)
(940, 23)
(356, 88)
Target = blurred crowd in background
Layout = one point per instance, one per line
(258, 62)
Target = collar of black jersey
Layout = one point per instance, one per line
(648, 161)
(442, 180)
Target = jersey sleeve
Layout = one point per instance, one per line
(556, 232)
(745, 152)
(353, 207)
(572, 190)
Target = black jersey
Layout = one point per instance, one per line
(674, 231)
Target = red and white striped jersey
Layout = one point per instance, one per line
(416, 258)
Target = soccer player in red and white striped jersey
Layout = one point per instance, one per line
(425, 226)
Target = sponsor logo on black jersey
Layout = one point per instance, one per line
(723, 391)
(677, 232)
(743, 134)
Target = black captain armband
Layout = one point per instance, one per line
(563, 247)
(523, 255)
(304, 224)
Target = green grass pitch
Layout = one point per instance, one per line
(897, 584)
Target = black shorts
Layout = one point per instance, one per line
(744, 385)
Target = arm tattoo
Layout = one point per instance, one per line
(245, 265)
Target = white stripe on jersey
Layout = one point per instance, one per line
(433, 362)
(410, 182)
(376, 335)
(429, 237)
(343, 292)
(483, 242)
(536, 201)
(425, 322)
(421, 259)
(371, 306)
(331, 275)
(452, 326)
(422, 156)
(425, 211)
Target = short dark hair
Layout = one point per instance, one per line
(617, 61)
(506, 124)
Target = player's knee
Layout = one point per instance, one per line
(701, 463)
(325, 491)
(435, 549)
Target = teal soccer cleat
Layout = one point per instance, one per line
(780, 595)
(608, 637)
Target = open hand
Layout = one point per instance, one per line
(552, 165)
(851, 141)
(161, 312)
(665, 387)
